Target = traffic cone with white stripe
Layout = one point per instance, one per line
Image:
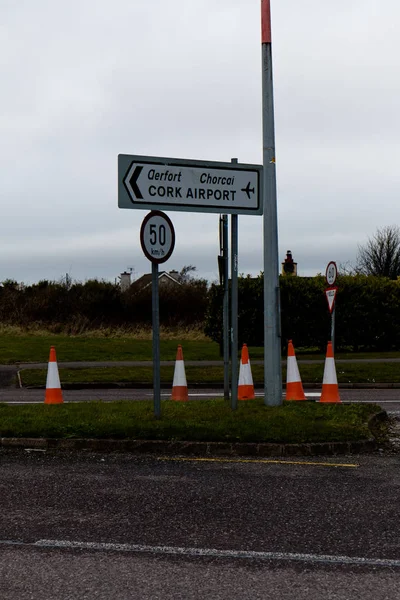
(53, 386)
(246, 386)
(179, 385)
(330, 388)
(294, 387)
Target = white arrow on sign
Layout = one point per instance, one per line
(331, 296)
(198, 186)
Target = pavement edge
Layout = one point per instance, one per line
(186, 448)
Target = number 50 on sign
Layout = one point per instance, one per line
(157, 237)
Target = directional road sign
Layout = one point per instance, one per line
(157, 237)
(188, 185)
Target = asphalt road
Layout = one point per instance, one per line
(118, 527)
(389, 399)
(193, 363)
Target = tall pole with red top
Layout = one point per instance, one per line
(272, 318)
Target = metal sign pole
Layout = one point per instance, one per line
(272, 342)
(234, 310)
(157, 238)
(330, 276)
(234, 307)
(156, 342)
(333, 329)
(225, 255)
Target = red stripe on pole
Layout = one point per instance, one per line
(266, 21)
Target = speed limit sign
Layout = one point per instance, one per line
(157, 236)
(331, 273)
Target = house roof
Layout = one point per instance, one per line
(145, 280)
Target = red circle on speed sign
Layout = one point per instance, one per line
(331, 273)
(157, 236)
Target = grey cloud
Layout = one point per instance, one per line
(85, 81)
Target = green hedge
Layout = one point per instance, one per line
(367, 309)
(367, 312)
(76, 307)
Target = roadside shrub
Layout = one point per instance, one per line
(367, 312)
(76, 307)
(367, 309)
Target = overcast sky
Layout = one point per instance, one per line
(85, 80)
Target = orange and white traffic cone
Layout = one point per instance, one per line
(330, 388)
(294, 387)
(179, 385)
(246, 386)
(53, 385)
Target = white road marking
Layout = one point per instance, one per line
(32, 402)
(208, 552)
(197, 395)
(22, 402)
(208, 395)
(372, 401)
(215, 394)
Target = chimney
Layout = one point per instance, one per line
(289, 267)
(125, 281)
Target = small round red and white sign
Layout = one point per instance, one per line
(157, 236)
(331, 273)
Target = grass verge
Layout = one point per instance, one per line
(346, 373)
(34, 347)
(208, 420)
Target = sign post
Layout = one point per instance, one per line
(157, 238)
(330, 293)
(272, 326)
(148, 182)
(234, 307)
(224, 280)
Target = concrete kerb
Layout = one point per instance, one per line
(201, 449)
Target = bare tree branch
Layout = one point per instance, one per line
(380, 256)
(185, 274)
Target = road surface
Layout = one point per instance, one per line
(115, 527)
(389, 399)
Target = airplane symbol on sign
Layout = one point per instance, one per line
(248, 190)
